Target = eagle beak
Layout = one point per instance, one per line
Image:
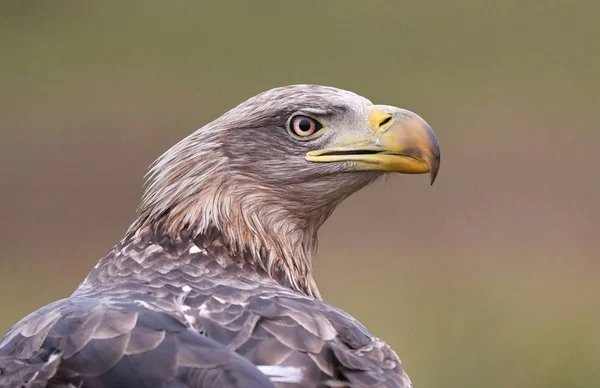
(398, 140)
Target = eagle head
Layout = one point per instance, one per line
(268, 173)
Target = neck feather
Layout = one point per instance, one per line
(257, 226)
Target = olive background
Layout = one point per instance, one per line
(487, 279)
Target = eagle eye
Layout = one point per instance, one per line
(304, 126)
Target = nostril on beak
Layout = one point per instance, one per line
(385, 121)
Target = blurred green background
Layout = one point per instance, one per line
(486, 279)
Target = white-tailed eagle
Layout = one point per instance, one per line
(212, 285)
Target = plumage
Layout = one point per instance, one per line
(212, 285)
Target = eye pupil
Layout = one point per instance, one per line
(304, 125)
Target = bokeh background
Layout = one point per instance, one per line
(487, 279)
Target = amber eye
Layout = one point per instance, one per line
(304, 126)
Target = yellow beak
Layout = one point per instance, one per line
(398, 141)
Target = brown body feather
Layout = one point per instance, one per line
(162, 313)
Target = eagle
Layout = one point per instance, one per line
(212, 285)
